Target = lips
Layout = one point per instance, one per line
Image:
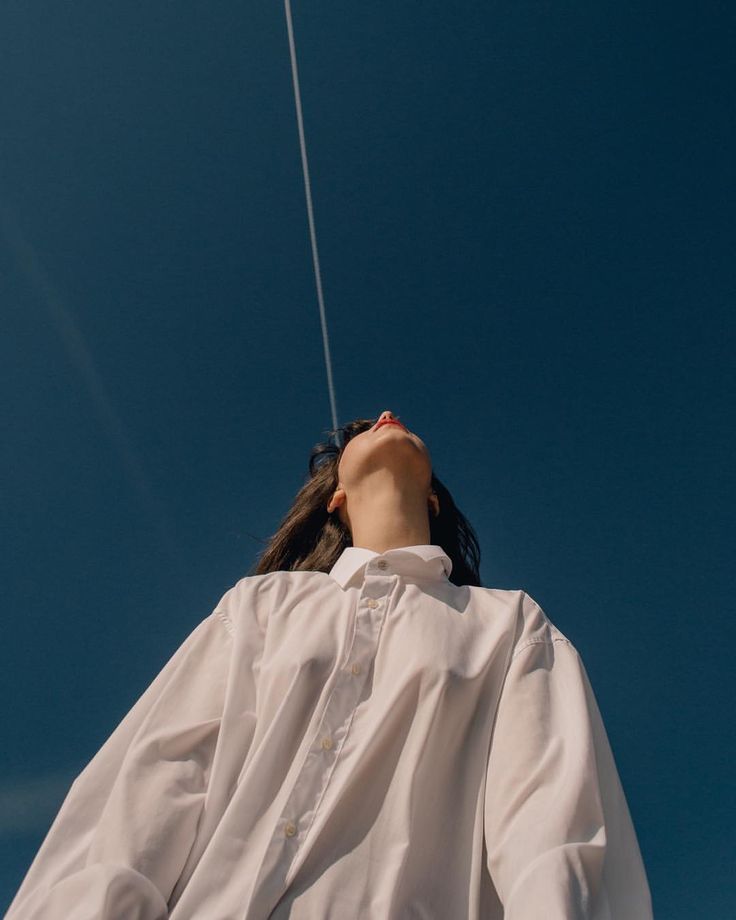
(390, 421)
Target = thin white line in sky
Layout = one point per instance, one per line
(310, 213)
(81, 359)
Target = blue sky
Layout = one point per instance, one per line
(525, 219)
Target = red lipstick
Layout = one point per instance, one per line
(390, 421)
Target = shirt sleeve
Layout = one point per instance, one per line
(559, 837)
(129, 820)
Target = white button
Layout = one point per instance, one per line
(355, 668)
(382, 564)
(327, 744)
(372, 602)
(290, 829)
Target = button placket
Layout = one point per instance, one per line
(303, 803)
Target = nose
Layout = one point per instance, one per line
(386, 414)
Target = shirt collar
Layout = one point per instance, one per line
(426, 561)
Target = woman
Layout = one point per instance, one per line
(358, 730)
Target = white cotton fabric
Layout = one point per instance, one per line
(372, 743)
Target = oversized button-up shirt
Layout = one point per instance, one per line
(373, 743)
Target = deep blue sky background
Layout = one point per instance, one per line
(525, 216)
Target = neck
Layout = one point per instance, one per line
(383, 516)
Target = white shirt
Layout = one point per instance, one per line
(376, 743)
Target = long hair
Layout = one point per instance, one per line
(311, 538)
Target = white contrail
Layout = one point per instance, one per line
(81, 359)
(30, 805)
(310, 212)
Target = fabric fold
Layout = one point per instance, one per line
(128, 822)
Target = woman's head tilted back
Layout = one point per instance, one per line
(317, 528)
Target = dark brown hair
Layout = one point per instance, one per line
(312, 539)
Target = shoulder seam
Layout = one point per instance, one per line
(540, 641)
(228, 623)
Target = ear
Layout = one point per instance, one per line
(434, 503)
(338, 499)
